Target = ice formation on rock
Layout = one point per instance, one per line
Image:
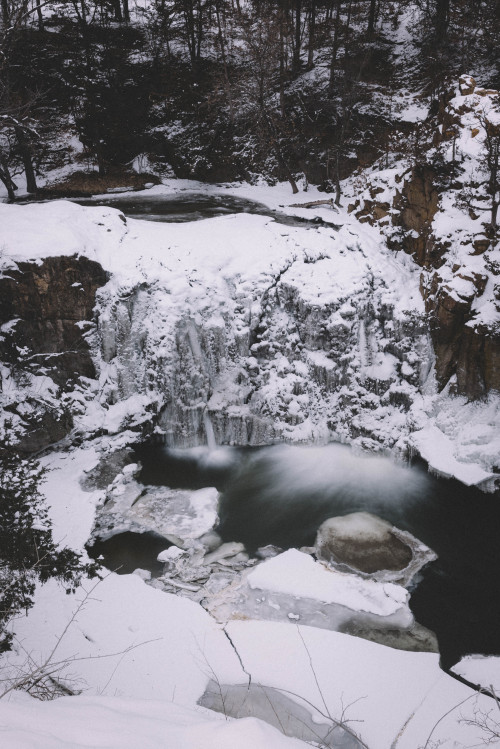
(371, 547)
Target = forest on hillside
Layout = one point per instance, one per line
(220, 90)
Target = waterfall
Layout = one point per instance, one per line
(363, 349)
(196, 351)
(209, 430)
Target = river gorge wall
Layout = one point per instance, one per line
(249, 333)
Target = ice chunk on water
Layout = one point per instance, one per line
(294, 573)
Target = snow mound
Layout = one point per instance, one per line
(114, 723)
(295, 573)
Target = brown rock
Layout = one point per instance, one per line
(467, 85)
(472, 353)
(417, 205)
(363, 542)
(480, 245)
(49, 301)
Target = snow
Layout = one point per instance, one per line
(72, 513)
(144, 656)
(386, 693)
(128, 639)
(211, 278)
(437, 449)
(297, 574)
(113, 723)
(482, 670)
(459, 437)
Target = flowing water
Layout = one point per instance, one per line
(280, 495)
(197, 206)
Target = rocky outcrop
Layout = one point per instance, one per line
(440, 211)
(46, 310)
(469, 353)
(416, 205)
(47, 306)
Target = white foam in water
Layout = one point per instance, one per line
(337, 469)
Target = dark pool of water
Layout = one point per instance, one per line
(196, 206)
(129, 551)
(281, 495)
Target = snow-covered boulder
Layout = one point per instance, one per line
(371, 546)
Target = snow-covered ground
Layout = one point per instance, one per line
(142, 658)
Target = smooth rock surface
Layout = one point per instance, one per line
(371, 546)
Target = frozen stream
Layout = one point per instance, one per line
(280, 495)
(184, 207)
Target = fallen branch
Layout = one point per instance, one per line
(314, 203)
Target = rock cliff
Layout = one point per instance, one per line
(46, 310)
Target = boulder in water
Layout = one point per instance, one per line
(366, 544)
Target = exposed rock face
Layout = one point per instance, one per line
(44, 424)
(48, 303)
(471, 353)
(466, 348)
(367, 544)
(44, 312)
(416, 206)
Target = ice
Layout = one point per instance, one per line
(276, 708)
(297, 574)
(131, 506)
(438, 450)
(293, 587)
(243, 333)
(371, 547)
(484, 671)
(150, 691)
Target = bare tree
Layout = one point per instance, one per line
(492, 156)
(17, 127)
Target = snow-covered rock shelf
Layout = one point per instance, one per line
(240, 330)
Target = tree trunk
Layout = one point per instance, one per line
(441, 18)
(338, 189)
(4, 5)
(118, 11)
(222, 43)
(7, 180)
(371, 16)
(495, 155)
(25, 151)
(494, 213)
(335, 46)
(282, 64)
(126, 11)
(39, 14)
(298, 36)
(312, 35)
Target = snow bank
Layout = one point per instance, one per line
(112, 723)
(482, 670)
(392, 697)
